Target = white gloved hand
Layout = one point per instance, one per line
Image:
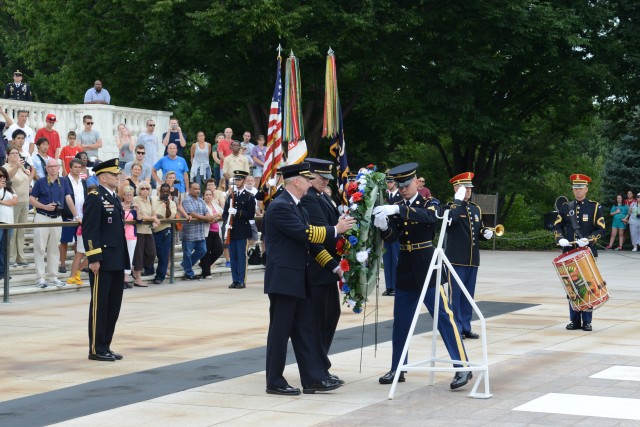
(564, 243)
(271, 182)
(380, 221)
(583, 242)
(386, 210)
(462, 191)
(232, 211)
(488, 234)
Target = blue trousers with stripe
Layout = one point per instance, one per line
(390, 260)
(461, 306)
(404, 307)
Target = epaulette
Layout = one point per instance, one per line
(94, 192)
(432, 199)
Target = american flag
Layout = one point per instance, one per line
(273, 157)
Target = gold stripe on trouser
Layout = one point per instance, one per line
(94, 312)
(456, 333)
(246, 263)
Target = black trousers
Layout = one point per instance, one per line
(325, 300)
(106, 298)
(292, 317)
(214, 250)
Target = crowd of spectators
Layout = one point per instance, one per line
(53, 178)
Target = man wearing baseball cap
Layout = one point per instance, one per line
(52, 136)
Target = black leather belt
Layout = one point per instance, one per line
(416, 246)
(49, 215)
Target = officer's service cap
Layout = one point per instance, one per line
(240, 174)
(579, 180)
(321, 167)
(403, 174)
(108, 166)
(298, 169)
(17, 73)
(463, 179)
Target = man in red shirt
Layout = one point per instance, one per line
(52, 136)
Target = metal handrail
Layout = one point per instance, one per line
(20, 225)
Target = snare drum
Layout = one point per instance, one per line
(581, 279)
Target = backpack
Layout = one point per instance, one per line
(255, 257)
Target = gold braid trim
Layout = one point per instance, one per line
(316, 234)
(94, 252)
(323, 257)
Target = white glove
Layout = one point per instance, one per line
(564, 242)
(232, 211)
(386, 210)
(380, 221)
(583, 242)
(488, 234)
(271, 182)
(462, 191)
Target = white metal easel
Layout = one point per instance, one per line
(438, 260)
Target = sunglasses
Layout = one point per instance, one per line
(139, 152)
(144, 188)
(3, 177)
(152, 125)
(88, 123)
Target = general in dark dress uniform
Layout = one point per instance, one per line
(106, 246)
(463, 237)
(287, 283)
(16, 89)
(580, 221)
(412, 221)
(242, 206)
(324, 269)
(391, 249)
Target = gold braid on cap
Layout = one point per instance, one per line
(316, 234)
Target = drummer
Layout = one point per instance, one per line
(579, 223)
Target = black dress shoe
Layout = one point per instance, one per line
(388, 293)
(127, 286)
(233, 285)
(573, 326)
(471, 335)
(148, 273)
(326, 385)
(461, 379)
(388, 377)
(240, 286)
(587, 327)
(102, 357)
(115, 355)
(286, 390)
(157, 281)
(194, 277)
(336, 379)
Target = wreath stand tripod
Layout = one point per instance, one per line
(439, 260)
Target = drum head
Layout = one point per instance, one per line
(560, 201)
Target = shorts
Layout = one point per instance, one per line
(68, 234)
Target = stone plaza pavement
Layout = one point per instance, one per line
(194, 356)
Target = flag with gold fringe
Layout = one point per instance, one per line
(332, 126)
(293, 126)
(273, 158)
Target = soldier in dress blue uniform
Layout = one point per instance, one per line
(412, 221)
(463, 235)
(17, 89)
(242, 206)
(106, 246)
(580, 221)
(286, 281)
(392, 249)
(324, 269)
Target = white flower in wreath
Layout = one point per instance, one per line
(361, 187)
(362, 256)
(351, 303)
(362, 180)
(353, 207)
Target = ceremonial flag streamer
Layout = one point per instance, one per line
(273, 158)
(333, 126)
(293, 125)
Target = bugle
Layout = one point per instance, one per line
(498, 229)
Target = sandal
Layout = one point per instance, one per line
(141, 285)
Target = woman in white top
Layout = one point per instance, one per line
(634, 223)
(8, 200)
(200, 152)
(21, 174)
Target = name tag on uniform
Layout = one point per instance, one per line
(109, 220)
(585, 218)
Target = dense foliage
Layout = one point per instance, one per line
(521, 92)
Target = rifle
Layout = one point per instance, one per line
(229, 225)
